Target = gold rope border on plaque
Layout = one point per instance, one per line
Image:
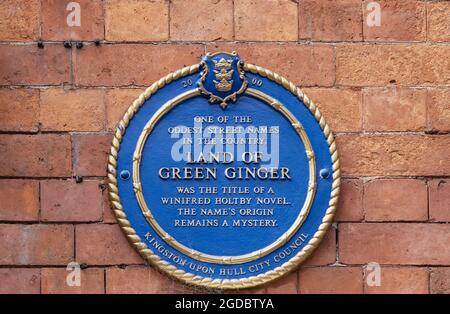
(190, 278)
(284, 238)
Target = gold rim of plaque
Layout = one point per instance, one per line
(190, 278)
(195, 254)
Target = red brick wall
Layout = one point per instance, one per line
(384, 90)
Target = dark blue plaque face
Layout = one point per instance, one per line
(224, 174)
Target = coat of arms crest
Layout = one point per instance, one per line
(222, 78)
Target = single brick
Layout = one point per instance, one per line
(394, 109)
(117, 102)
(400, 20)
(140, 279)
(266, 20)
(333, 103)
(102, 244)
(192, 20)
(438, 17)
(385, 155)
(396, 200)
(72, 110)
(55, 281)
(394, 243)
(136, 20)
(329, 280)
(380, 65)
(304, 65)
(330, 20)
(19, 281)
(288, 284)
(439, 200)
(66, 200)
(19, 200)
(37, 244)
(111, 70)
(19, 110)
(350, 207)
(398, 280)
(30, 65)
(326, 253)
(43, 155)
(440, 280)
(91, 154)
(438, 104)
(59, 20)
(19, 20)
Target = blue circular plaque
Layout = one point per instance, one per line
(224, 174)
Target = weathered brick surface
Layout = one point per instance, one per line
(438, 18)
(287, 284)
(305, 65)
(331, 280)
(54, 281)
(440, 280)
(398, 280)
(137, 20)
(19, 110)
(36, 244)
(326, 252)
(395, 109)
(108, 214)
(439, 199)
(332, 102)
(438, 105)
(330, 20)
(66, 200)
(140, 279)
(55, 16)
(394, 155)
(72, 110)
(117, 102)
(380, 65)
(30, 65)
(145, 63)
(394, 243)
(350, 201)
(400, 21)
(19, 200)
(192, 20)
(275, 20)
(91, 153)
(102, 244)
(19, 20)
(396, 200)
(20, 280)
(46, 155)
